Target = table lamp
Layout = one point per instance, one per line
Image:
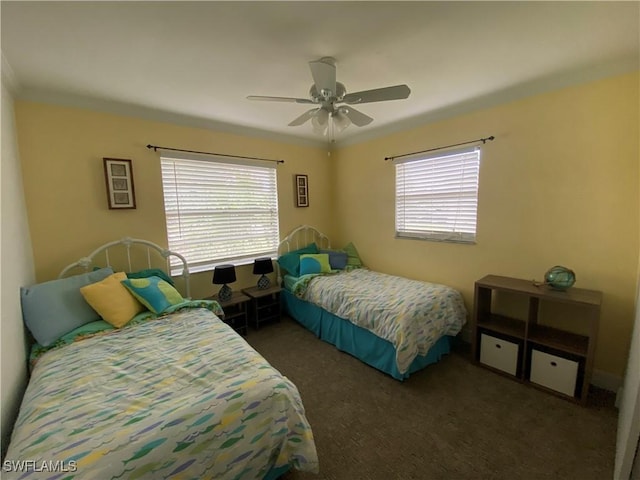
(262, 266)
(222, 275)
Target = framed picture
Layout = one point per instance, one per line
(302, 190)
(119, 177)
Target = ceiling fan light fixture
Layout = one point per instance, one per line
(330, 118)
(340, 121)
(320, 122)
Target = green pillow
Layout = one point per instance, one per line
(154, 293)
(151, 272)
(314, 263)
(290, 262)
(353, 259)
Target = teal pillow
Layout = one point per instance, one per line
(314, 263)
(290, 262)
(353, 259)
(151, 272)
(154, 293)
(53, 308)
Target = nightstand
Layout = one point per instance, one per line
(265, 304)
(235, 311)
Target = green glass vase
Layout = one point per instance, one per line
(559, 277)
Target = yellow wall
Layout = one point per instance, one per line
(559, 185)
(62, 150)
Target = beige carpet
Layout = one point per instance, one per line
(453, 420)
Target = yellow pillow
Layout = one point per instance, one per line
(113, 302)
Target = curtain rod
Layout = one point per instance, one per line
(156, 147)
(483, 140)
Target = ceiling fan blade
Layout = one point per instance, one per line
(279, 99)
(304, 117)
(323, 72)
(397, 92)
(359, 119)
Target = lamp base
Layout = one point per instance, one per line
(264, 282)
(225, 293)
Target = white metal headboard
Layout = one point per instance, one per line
(301, 237)
(127, 243)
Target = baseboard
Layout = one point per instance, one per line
(606, 381)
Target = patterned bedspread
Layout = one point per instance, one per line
(182, 396)
(412, 315)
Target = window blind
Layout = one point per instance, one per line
(219, 210)
(437, 196)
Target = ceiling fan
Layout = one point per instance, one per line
(329, 96)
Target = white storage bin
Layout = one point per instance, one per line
(551, 371)
(498, 353)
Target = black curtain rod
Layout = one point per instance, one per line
(156, 147)
(483, 140)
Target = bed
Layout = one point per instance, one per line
(394, 324)
(170, 394)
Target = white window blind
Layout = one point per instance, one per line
(437, 196)
(220, 210)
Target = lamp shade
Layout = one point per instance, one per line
(262, 266)
(341, 120)
(224, 274)
(320, 122)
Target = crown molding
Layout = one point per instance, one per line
(531, 88)
(9, 79)
(153, 114)
(526, 89)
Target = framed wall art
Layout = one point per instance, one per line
(302, 190)
(118, 174)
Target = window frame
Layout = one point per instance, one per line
(470, 186)
(169, 159)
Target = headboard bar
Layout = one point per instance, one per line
(129, 256)
(127, 242)
(300, 237)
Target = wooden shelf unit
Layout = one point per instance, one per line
(235, 312)
(530, 335)
(265, 304)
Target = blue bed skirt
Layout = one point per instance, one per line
(355, 340)
(275, 473)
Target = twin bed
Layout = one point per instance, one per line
(394, 324)
(174, 392)
(171, 395)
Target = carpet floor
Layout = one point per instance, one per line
(452, 420)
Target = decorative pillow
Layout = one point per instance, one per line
(112, 300)
(337, 259)
(314, 263)
(154, 293)
(352, 254)
(53, 308)
(290, 262)
(151, 272)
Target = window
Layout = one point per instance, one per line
(219, 210)
(437, 196)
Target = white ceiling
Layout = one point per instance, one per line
(195, 62)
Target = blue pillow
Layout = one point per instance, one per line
(53, 308)
(337, 259)
(290, 262)
(154, 293)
